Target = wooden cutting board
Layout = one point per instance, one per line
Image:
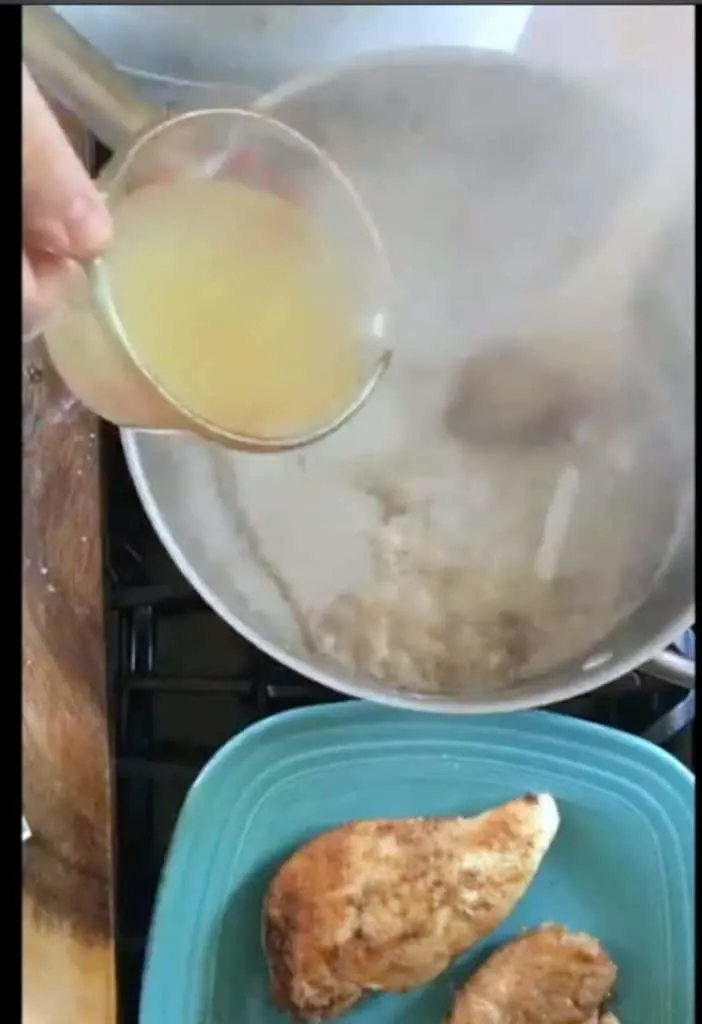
(68, 921)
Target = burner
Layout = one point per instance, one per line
(183, 683)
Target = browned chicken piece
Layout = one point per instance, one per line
(387, 905)
(607, 1018)
(547, 976)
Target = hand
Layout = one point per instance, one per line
(63, 216)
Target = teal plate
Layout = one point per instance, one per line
(621, 866)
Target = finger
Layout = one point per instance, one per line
(62, 211)
(30, 290)
(31, 306)
(45, 280)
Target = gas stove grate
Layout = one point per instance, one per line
(183, 682)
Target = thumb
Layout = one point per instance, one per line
(62, 212)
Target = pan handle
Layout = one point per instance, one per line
(671, 668)
(82, 80)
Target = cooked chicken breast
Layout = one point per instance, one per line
(387, 905)
(547, 976)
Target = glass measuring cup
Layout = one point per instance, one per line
(87, 339)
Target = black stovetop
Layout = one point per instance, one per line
(182, 683)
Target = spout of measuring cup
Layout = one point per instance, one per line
(69, 68)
